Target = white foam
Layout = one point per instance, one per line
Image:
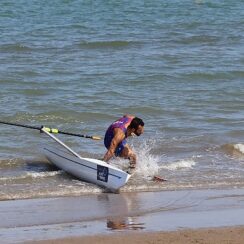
(147, 163)
(32, 175)
(182, 164)
(43, 174)
(239, 147)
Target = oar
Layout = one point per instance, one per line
(50, 130)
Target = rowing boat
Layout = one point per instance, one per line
(87, 169)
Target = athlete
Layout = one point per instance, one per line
(115, 138)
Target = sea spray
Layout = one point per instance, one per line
(147, 163)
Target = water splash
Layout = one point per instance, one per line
(147, 162)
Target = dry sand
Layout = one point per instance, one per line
(234, 235)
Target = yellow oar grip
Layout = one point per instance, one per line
(54, 131)
(96, 138)
(50, 130)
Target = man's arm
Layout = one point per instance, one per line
(118, 137)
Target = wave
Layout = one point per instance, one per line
(107, 44)
(10, 163)
(199, 39)
(33, 92)
(16, 47)
(234, 149)
(182, 164)
(239, 147)
(210, 76)
(31, 175)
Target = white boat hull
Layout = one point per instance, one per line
(88, 169)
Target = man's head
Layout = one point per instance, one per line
(137, 126)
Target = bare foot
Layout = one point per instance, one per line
(131, 169)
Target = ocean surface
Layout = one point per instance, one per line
(79, 65)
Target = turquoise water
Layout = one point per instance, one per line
(79, 65)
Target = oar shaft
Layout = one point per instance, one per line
(59, 142)
(50, 130)
(79, 135)
(21, 125)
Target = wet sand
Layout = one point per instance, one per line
(145, 216)
(206, 236)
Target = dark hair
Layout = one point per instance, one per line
(136, 122)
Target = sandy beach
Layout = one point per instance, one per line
(189, 216)
(78, 66)
(200, 236)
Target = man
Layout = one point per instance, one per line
(115, 138)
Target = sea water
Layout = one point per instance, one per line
(79, 65)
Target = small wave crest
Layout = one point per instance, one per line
(105, 44)
(234, 149)
(10, 163)
(15, 47)
(182, 164)
(43, 174)
(32, 175)
(239, 147)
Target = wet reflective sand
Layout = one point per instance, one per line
(40, 219)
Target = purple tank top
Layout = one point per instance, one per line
(120, 123)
